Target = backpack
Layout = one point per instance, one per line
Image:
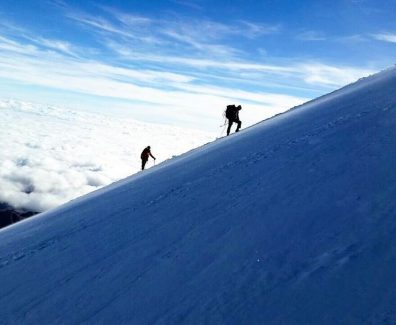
(230, 111)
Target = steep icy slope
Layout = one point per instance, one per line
(291, 221)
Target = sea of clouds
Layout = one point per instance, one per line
(50, 155)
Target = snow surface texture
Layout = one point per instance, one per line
(50, 155)
(291, 221)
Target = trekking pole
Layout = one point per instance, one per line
(224, 125)
(222, 131)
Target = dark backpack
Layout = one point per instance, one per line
(230, 111)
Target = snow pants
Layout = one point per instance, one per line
(230, 122)
(144, 162)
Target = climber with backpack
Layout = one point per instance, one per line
(145, 155)
(232, 115)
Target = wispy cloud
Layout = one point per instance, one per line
(311, 72)
(129, 20)
(139, 61)
(190, 4)
(254, 30)
(386, 37)
(176, 34)
(58, 45)
(312, 36)
(100, 24)
(197, 44)
(207, 39)
(353, 39)
(87, 76)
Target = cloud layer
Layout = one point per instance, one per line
(50, 155)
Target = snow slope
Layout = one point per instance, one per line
(291, 221)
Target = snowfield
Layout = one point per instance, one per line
(292, 221)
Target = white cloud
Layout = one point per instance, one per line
(51, 155)
(317, 73)
(57, 45)
(386, 37)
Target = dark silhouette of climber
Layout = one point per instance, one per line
(145, 155)
(232, 114)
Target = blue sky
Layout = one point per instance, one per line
(182, 61)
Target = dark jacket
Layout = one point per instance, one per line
(146, 153)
